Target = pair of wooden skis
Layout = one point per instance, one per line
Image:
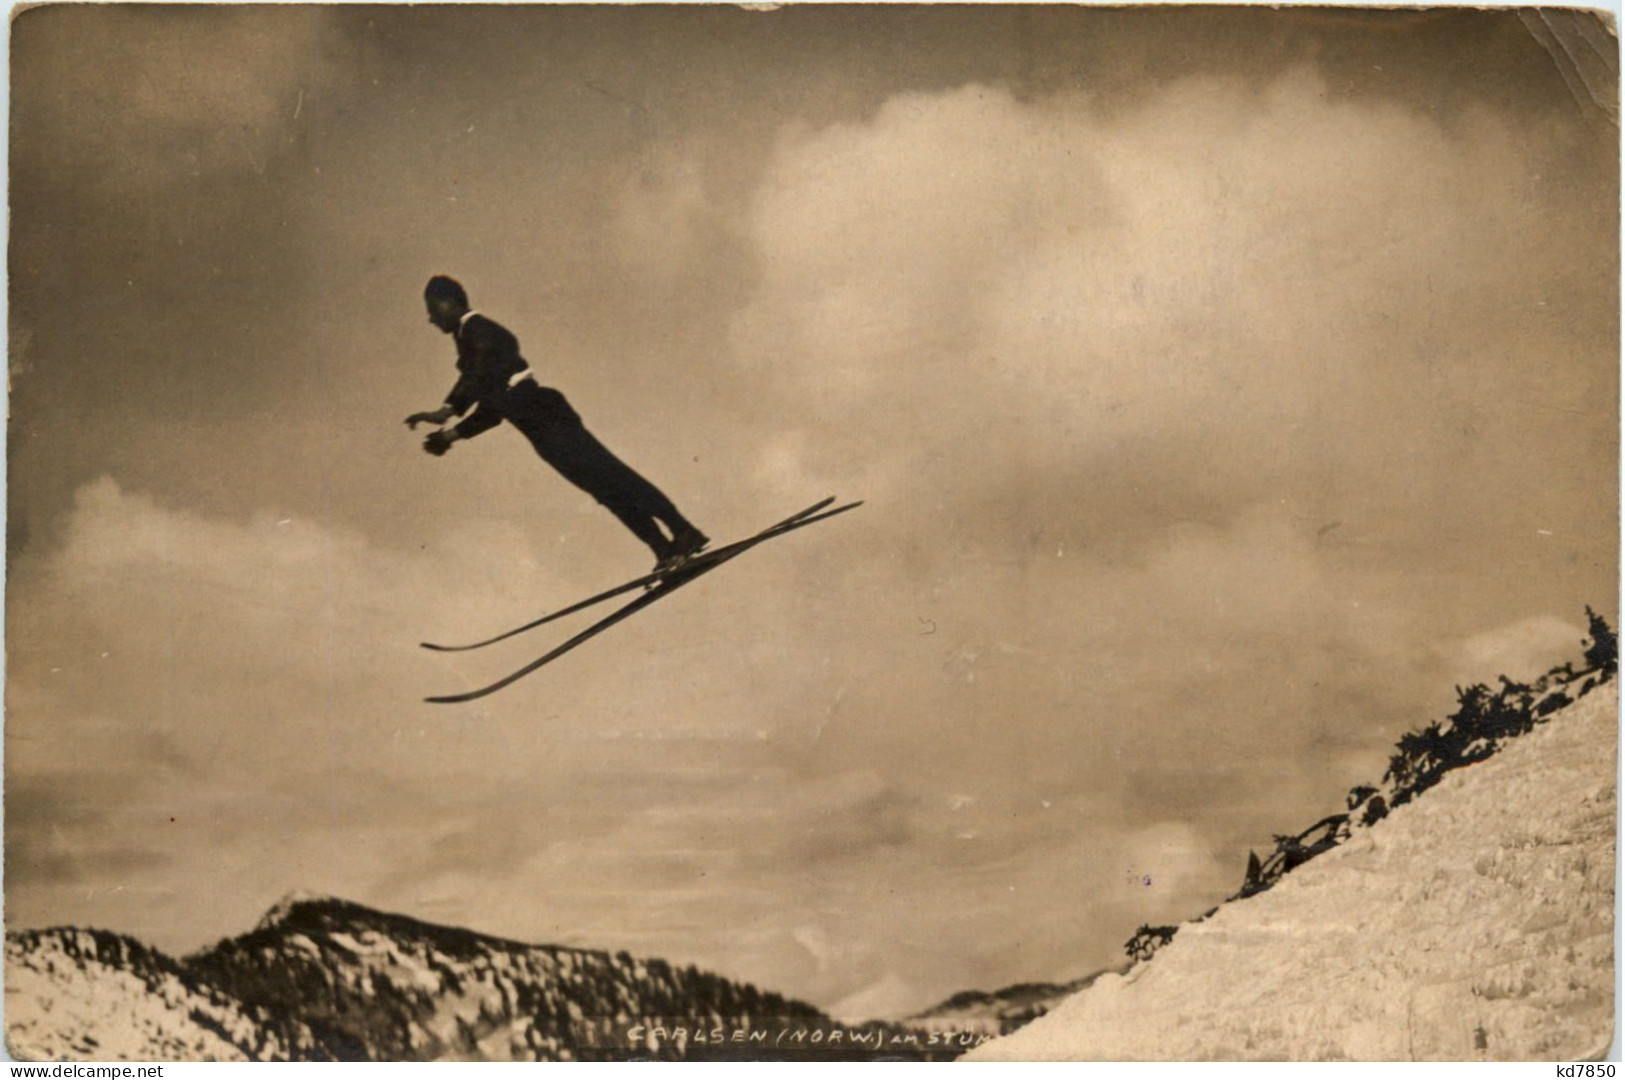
(658, 587)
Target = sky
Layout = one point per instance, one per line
(1223, 386)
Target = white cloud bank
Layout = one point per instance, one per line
(1230, 292)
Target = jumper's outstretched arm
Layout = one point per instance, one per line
(438, 416)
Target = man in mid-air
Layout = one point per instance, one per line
(495, 384)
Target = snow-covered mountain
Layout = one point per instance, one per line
(1475, 922)
(92, 995)
(324, 979)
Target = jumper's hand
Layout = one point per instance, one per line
(438, 442)
(439, 416)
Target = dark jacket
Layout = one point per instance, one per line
(495, 381)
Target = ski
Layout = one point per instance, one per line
(671, 583)
(701, 559)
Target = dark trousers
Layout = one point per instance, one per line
(545, 418)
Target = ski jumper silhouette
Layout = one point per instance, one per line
(495, 384)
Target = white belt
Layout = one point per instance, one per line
(519, 377)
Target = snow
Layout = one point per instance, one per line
(1473, 924)
(109, 1013)
(304, 944)
(360, 949)
(284, 907)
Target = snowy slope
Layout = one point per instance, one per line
(93, 995)
(1473, 924)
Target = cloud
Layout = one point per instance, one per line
(206, 690)
(1523, 649)
(216, 688)
(171, 95)
(277, 642)
(1181, 421)
(1220, 294)
(61, 831)
(664, 218)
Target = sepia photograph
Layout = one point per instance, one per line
(861, 532)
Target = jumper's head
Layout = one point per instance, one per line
(446, 301)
